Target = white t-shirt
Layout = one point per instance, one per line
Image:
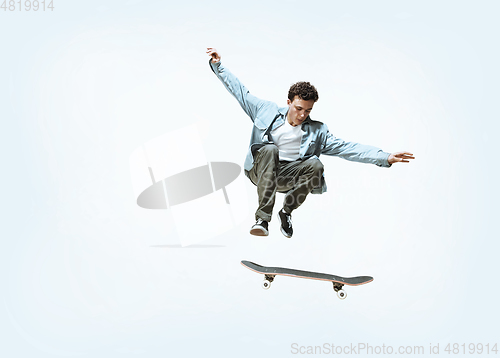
(288, 138)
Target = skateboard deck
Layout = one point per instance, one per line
(338, 281)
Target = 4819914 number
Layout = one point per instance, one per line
(27, 5)
(471, 348)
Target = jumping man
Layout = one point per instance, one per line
(285, 146)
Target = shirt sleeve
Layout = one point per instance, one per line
(355, 152)
(250, 104)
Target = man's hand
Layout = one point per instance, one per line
(400, 157)
(212, 52)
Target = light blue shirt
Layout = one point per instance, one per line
(316, 138)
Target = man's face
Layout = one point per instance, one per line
(298, 110)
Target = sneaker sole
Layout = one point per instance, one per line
(259, 231)
(281, 228)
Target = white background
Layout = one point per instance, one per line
(86, 272)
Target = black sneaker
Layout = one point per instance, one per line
(260, 228)
(286, 223)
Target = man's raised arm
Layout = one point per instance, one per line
(250, 104)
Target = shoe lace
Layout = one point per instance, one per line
(288, 219)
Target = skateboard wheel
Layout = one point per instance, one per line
(266, 285)
(341, 294)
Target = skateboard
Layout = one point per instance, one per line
(338, 281)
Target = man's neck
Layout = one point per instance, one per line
(289, 120)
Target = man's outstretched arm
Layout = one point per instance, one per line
(362, 153)
(250, 104)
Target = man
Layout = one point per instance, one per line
(285, 147)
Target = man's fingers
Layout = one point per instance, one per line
(405, 155)
(212, 52)
(400, 157)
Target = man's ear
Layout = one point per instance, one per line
(288, 101)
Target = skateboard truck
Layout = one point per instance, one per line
(337, 287)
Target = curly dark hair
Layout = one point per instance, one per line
(304, 90)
